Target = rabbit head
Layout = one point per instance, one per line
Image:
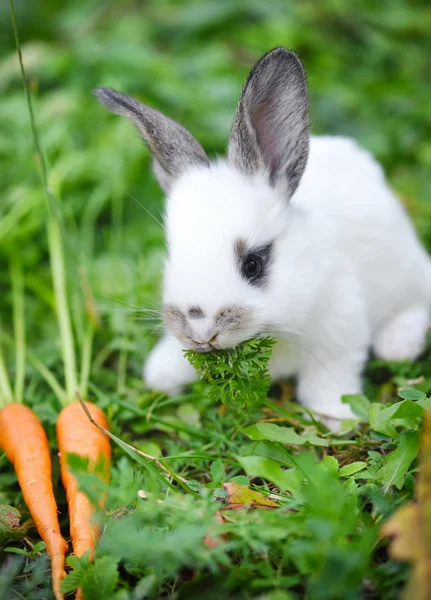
(229, 223)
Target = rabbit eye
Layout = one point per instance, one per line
(252, 266)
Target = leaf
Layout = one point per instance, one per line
(267, 449)
(39, 546)
(359, 405)
(411, 394)
(385, 426)
(17, 551)
(195, 486)
(241, 496)
(386, 420)
(218, 472)
(347, 425)
(283, 435)
(238, 376)
(330, 463)
(10, 527)
(410, 527)
(354, 467)
(101, 579)
(80, 565)
(398, 462)
(188, 413)
(406, 409)
(274, 433)
(268, 469)
(241, 479)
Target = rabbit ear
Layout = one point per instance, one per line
(174, 149)
(270, 131)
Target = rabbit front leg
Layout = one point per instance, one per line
(284, 362)
(325, 378)
(167, 369)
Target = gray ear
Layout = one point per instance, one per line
(270, 131)
(174, 149)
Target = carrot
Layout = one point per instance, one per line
(77, 435)
(24, 442)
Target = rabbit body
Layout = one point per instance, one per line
(351, 272)
(319, 254)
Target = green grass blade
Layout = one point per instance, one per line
(18, 326)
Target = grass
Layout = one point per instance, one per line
(368, 78)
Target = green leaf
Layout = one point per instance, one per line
(359, 405)
(80, 565)
(39, 546)
(101, 579)
(218, 472)
(195, 486)
(397, 463)
(347, 425)
(330, 463)
(274, 433)
(17, 551)
(386, 427)
(354, 467)
(256, 466)
(238, 376)
(382, 419)
(71, 582)
(283, 435)
(267, 449)
(241, 479)
(411, 394)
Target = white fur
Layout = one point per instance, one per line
(348, 270)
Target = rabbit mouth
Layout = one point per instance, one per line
(205, 348)
(228, 327)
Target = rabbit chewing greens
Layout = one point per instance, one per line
(291, 236)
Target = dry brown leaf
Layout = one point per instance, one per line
(410, 527)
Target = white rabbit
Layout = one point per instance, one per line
(317, 253)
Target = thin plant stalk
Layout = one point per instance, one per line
(62, 307)
(39, 154)
(122, 370)
(87, 351)
(49, 378)
(6, 393)
(43, 371)
(54, 241)
(19, 326)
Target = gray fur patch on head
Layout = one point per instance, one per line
(175, 149)
(240, 249)
(195, 312)
(270, 132)
(233, 318)
(175, 320)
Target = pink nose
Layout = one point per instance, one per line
(208, 341)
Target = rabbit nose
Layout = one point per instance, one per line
(207, 344)
(207, 340)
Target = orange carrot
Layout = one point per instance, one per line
(24, 442)
(77, 435)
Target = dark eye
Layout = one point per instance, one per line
(252, 266)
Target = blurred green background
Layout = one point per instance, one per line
(368, 66)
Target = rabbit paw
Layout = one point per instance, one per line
(403, 338)
(166, 369)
